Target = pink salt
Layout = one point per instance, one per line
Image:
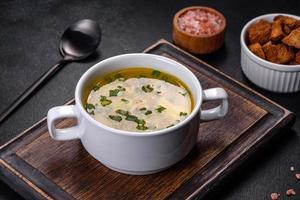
(200, 22)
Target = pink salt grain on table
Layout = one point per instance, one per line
(275, 196)
(200, 22)
(290, 192)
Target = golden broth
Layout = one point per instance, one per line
(135, 72)
(138, 99)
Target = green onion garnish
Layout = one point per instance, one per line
(147, 88)
(114, 93)
(148, 112)
(122, 112)
(121, 88)
(155, 73)
(182, 114)
(104, 101)
(125, 100)
(141, 127)
(115, 117)
(90, 108)
(131, 118)
(183, 94)
(160, 109)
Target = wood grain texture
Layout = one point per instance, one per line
(64, 170)
(62, 161)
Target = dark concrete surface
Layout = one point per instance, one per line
(29, 39)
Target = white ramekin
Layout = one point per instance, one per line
(270, 76)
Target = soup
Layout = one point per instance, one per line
(139, 99)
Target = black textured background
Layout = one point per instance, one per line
(29, 39)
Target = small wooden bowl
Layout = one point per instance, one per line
(198, 44)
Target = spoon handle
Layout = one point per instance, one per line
(33, 88)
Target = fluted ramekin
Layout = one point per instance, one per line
(267, 75)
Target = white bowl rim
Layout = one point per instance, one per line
(260, 61)
(193, 114)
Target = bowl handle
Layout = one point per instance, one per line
(217, 112)
(60, 112)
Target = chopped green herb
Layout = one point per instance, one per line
(183, 94)
(115, 117)
(182, 114)
(155, 73)
(121, 79)
(141, 127)
(131, 118)
(140, 122)
(90, 108)
(122, 112)
(170, 125)
(121, 88)
(147, 88)
(114, 93)
(148, 112)
(96, 87)
(125, 100)
(160, 109)
(104, 101)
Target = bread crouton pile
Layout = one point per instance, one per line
(277, 41)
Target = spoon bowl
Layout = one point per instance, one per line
(80, 40)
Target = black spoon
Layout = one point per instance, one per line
(79, 41)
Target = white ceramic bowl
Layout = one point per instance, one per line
(270, 76)
(137, 152)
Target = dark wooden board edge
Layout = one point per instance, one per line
(284, 124)
(190, 190)
(20, 184)
(11, 176)
(286, 117)
(46, 187)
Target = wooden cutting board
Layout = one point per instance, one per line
(38, 167)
